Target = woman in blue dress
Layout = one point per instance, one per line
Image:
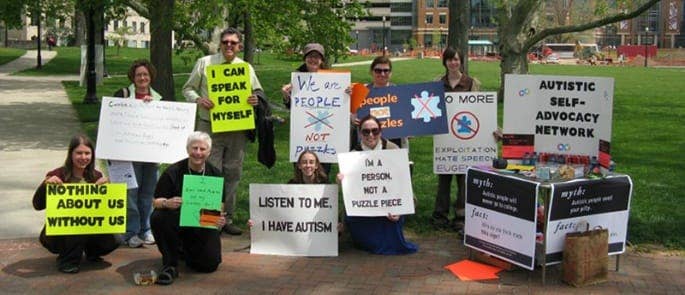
(383, 234)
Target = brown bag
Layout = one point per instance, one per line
(586, 257)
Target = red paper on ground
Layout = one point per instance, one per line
(467, 270)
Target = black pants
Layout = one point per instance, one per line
(71, 248)
(201, 246)
(442, 199)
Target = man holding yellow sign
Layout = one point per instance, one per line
(227, 91)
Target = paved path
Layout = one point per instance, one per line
(36, 122)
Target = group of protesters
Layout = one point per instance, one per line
(153, 207)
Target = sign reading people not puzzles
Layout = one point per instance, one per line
(407, 110)
(294, 219)
(229, 86)
(319, 115)
(85, 208)
(134, 130)
(472, 117)
(376, 183)
(558, 114)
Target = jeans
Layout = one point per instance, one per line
(139, 200)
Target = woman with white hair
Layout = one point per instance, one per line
(201, 246)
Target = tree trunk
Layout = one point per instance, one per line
(248, 37)
(458, 35)
(79, 28)
(161, 23)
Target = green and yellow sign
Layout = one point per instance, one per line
(229, 86)
(85, 208)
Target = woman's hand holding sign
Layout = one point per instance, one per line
(205, 102)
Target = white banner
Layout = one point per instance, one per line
(294, 219)
(471, 118)
(134, 130)
(319, 115)
(561, 114)
(376, 183)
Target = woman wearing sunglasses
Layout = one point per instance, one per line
(381, 71)
(378, 235)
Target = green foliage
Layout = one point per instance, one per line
(10, 14)
(119, 37)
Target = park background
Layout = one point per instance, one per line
(647, 137)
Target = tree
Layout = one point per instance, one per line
(457, 38)
(161, 25)
(119, 36)
(519, 28)
(10, 16)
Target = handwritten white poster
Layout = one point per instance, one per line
(294, 219)
(319, 115)
(471, 118)
(376, 183)
(134, 130)
(122, 172)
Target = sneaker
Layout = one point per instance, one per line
(149, 239)
(69, 268)
(134, 242)
(232, 229)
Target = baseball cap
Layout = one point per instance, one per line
(314, 47)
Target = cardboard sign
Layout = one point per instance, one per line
(500, 216)
(85, 208)
(407, 110)
(376, 183)
(201, 195)
(558, 114)
(294, 219)
(122, 172)
(472, 117)
(319, 115)
(601, 203)
(153, 132)
(229, 86)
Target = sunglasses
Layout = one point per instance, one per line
(367, 132)
(380, 71)
(229, 42)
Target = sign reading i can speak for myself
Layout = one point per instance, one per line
(599, 203)
(85, 208)
(501, 216)
(319, 115)
(134, 130)
(294, 219)
(376, 183)
(229, 86)
(200, 194)
(407, 110)
(471, 118)
(558, 114)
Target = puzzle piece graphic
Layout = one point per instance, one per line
(425, 107)
(464, 124)
(320, 120)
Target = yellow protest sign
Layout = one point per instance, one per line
(229, 86)
(85, 208)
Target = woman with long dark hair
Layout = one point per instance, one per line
(78, 168)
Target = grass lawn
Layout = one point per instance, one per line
(648, 110)
(10, 54)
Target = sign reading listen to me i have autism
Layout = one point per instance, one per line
(294, 219)
(85, 208)
(202, 197)
(229, 87)
(319, 115)
(558, 114)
